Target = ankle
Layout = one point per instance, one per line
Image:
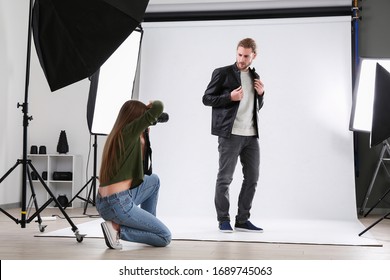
(116, 226)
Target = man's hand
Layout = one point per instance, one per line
(259, 87)
(237, 94)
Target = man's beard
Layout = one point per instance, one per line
(243, 66)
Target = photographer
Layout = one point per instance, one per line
(123, 183)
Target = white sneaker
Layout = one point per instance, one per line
(111, 235)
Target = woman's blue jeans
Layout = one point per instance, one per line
(135, 211)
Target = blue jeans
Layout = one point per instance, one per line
(135, 211)
(248, 150)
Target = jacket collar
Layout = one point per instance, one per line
(252, 70)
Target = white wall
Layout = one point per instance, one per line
(13, 45)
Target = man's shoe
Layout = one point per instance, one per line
(225, 227)
(111, 236)
(247, 226)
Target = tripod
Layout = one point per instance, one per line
(382, 162)
(92, 180)
(26, 163)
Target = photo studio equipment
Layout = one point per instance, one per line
(110, 87)
(72, 40)
(371, 114)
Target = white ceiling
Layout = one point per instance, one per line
(215, 5)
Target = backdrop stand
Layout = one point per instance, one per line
(92, 181)
(26, 163)
(383, 159)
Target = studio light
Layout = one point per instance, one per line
(113, 84)
(371, 106)
(371, 113)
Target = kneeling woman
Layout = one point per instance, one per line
(127, 199)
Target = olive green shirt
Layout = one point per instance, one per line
(130, 161)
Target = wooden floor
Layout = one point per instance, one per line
(20, 244)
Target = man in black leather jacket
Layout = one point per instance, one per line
(236, 95)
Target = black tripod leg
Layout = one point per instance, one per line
(379, 201)
(10, 171)
(1, 180)
(77, 194)
(374, 224)
(34, 200)
(79, 236)
(91, 190)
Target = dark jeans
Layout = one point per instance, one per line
(248, 150)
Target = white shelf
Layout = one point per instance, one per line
(51, 163)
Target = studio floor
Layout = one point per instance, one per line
(21, 244)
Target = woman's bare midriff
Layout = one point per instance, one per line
(115, 188)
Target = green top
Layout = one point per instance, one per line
(130, 162)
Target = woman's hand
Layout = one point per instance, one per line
(149, 105)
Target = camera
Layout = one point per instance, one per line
(163, 118)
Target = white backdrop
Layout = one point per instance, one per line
(306, 146)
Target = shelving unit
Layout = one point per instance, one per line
(50, 163)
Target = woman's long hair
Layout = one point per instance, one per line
(130, 111)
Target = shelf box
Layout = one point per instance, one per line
(46, 165)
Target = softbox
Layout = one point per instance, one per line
(381, 113)
(113, 84)
(73, 38)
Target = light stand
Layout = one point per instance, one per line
(92, 181)
(26, 163)
(381, 162)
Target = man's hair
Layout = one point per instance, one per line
(248, 43)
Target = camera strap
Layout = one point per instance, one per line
(148, 155)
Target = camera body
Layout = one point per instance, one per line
(163, 118)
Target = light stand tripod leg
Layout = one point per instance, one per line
(379, 201)
(382, 153)
(33, 198)
(374, 224)
(92, 191)
(77, 195)
(92, 180)
(79, 236)
(1, 180)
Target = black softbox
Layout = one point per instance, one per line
(381, 113)
(73, 38)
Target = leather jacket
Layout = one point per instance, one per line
(217, 95)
